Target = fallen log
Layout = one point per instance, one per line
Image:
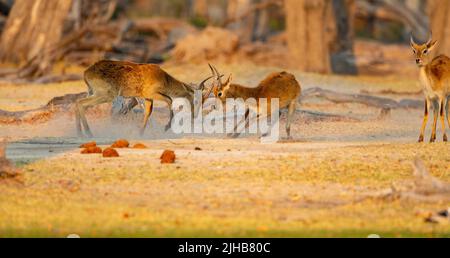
(58, 78)
(386, 105)
(320, 116)
(391, 92)
(42, 114)
(373, 101)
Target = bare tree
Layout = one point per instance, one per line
(342, 52)
(4, 8)
(250, 18)
(32, 27)
(306, 34)
(200, 8)
(439, 13)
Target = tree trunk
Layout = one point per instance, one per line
(342, 56)
(200, 8)
(244, 27)
(439, 13)
(306, 34)
(32, 28)
(261, 24)
(4, 9)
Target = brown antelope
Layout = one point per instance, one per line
(282, 86)
(107, 80)
(435, 80)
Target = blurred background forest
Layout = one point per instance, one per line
(42, 39)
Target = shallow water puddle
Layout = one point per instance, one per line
(26, 151)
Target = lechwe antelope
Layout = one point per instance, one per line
(435, 79)
(107, 80)
(282, 86)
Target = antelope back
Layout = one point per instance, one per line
(282, 85)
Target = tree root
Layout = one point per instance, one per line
(385, 104)
(425, 188)
(42, 114)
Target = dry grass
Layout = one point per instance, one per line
(284, 190)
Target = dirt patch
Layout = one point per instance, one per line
(139, 146)
(120, 144)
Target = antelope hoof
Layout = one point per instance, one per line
(445, 138)
(124, 111)
(433, 139)
(421, 139)
(167, 128)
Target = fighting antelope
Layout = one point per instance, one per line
(282, 86)
(107, 80)
(435, 80)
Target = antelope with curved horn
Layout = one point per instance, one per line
(282, 86)
(435, 80)
(107, 80)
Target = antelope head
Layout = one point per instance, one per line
(220, 88)
(421, 51)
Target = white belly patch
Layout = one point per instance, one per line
(426, 85)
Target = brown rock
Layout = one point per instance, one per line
(88, 145)
(110, 153)
(168, 157)
(92, 150)
(139, 146)
(120, 144)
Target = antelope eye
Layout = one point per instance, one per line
(425, 51)
(220, 94)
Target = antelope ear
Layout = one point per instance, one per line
(432, 45)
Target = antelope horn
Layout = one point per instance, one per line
(219, 77)
(413, 43)
(430, 39)
(202, 84)
(205, 96)
(212, 70)
(216, 72)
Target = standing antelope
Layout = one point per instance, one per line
(435, 79)
(282, 86)
(107, 80)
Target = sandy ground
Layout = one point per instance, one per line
(320, 184)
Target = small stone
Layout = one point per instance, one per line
(92, 150)
(120, 144)
(168, 157)
(88, 145)
(198, 148)
(444, 213)
(110, 153)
